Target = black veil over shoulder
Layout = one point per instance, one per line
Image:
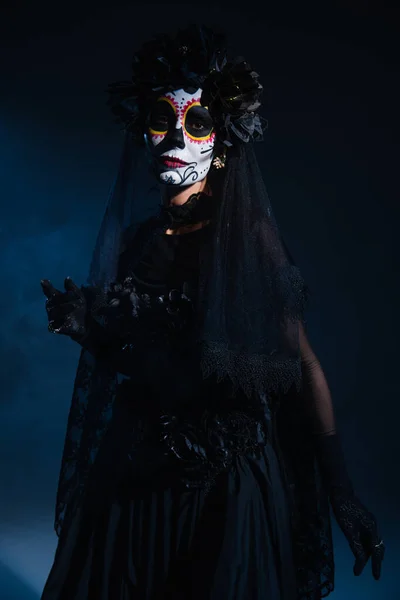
(251, 296)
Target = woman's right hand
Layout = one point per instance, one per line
(67, 310)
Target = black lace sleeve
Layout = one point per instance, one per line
(317, 397)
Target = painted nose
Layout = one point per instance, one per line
(177, 138)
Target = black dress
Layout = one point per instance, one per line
(151, 524)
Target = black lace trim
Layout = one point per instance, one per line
(199, 207)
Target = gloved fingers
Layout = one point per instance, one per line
(66, 326)
(377, 556)
(359, 553)
(48, 289)
(59, 311)
(360, 563)
(70, 286)
(373, 547)
(65, 298)
(376, 562)
(55, 326)
(55, 301)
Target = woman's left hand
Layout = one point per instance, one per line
(360, 528)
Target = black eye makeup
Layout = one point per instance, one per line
(198, 122)
(162, 116)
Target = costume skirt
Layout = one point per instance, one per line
(233, 543)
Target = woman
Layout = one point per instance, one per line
(201, 447)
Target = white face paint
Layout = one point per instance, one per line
(181, 138)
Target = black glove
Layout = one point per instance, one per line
(357, 523)
(70, 313)
(360, 528)
(66, 311)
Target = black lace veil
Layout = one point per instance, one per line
(252, 295)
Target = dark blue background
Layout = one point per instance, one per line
(331, 163)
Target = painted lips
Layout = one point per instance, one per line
(172, 163)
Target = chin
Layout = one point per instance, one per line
(173, 179)
(168, 178)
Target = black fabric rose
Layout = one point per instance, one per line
(232, 94)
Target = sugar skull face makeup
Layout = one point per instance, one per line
(181, 138)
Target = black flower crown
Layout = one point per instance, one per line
(194, 58)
